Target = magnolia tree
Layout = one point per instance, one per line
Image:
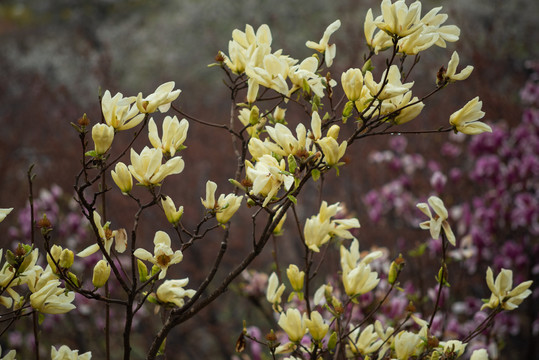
(338, 316)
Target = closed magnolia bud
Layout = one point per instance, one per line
(102, 134)
(101, 273)
(278, 114)
(55, 253)
(352, 83)
(296, 277)
(122, 178)
(393, 272)
(334, 131)
(66, 259)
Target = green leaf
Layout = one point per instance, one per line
(293, 199)
(91, 153)
(40, 318)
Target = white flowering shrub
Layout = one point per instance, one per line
(339, 318)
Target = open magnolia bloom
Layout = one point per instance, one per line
(439, 221)
(158, 100)
(107, 237)
(173, 292)
(392, 87)
(247, 48)
(267, 176)
(502, 294)
(65, 353)
(174, 135)
(363, 342)
(163, 255)
(357, 276)
(466, 119)
(324, 46)
(51, 298)
(293, 323)
(275, 291)
(450, 75)
(399, 19)
(286, 142)
(225, 207)
(120, 112)
(148, 169)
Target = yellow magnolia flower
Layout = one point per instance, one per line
(107, 237)
(364, 342)
(103, 135)
(4, 213)
(272, 73)
(502, 294)
(352, 83)
(381, 40)
(65, 353)
(101, 273)
(160, 99)
(274, 291)
(439, 221)
(405, 344)
(120, 112)
(173, 215)
(331, 149)
(148, 169)
(209, 203)
(295, 277)
(63, 257)
(122, 177)
(52, 299)
(227, 207)
(454, 347)
(433, 21)
(480, 354)
(450, 74)
(316, 325)
(286, 141)
(292, 322)
(267, 176)
(392, 87)
(172, 291)
(174, 135)
(466, 119)
(163, 255)
(417, 42)
(9, 356)
(323, 46)
(399, 19)
(247, 47)
(306, 73)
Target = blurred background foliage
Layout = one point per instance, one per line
(57, 55)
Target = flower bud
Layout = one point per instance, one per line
(122, 178)
(278, 114)
(102, 134)
(334, 131)
(54, 256)
(352, 83)
(101, 273)
(393, 272)
(66, 259)
(296, 277)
